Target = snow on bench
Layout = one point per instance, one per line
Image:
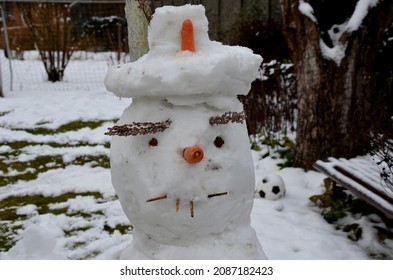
(362, 178)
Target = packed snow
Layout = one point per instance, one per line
(83, 218)
(160, 71)
(307, 10)
(360, 12)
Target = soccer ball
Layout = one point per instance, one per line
(271, 187)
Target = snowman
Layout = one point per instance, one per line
(180, 158)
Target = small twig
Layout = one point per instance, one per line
(217, 194)
(177, 205)
(192, 208)
(157, 198)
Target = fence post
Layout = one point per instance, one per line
(1, 75)
(7, 45)
(1, 82)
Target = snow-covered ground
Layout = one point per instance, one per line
(68, 209)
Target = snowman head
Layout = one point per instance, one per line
(188, 159)
(190, 173)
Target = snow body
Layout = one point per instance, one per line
(204, 208)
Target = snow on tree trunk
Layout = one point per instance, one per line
(138, 14)
(335, 94)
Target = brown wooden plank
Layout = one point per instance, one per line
(360, 181)
(366, 194)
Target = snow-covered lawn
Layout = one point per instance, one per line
(57, 201)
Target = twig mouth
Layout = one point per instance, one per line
(217, 194)
(157, 198)
(177, 205)
(192, 208)
(191, 204)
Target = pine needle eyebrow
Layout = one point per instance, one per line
(138, 128)
(228, 117)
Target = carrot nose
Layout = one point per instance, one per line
(193, 154)
(187, 36)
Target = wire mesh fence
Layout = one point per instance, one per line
(84, 30)
(62, 36)
(85, 71)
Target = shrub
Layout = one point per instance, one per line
(52, 32)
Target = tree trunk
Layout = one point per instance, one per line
(335, 101)
(138, 13)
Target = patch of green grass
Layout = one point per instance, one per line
(91, 255)
(4, 113)
(75, 231)
(95, 160)
(9, 217)
(85, 215)
(13, 170)
(7, 231)
(123, 229)
(17, 145)
(279, 146)
(40, 163)
(10, 204)
(78, 244)
(336, 203)
(287, 152)
(7, 180)
(71, 126)
(29, 170)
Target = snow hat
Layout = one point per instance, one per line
(210, 69)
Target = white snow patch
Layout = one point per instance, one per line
(306, 9)
(361, 11)
(336, 53)
(27, 210)
(40, 242)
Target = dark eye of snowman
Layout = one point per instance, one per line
(153, 142)
(219, 142)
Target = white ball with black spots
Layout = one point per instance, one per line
(271, 187)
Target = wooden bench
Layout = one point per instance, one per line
(361, 177)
